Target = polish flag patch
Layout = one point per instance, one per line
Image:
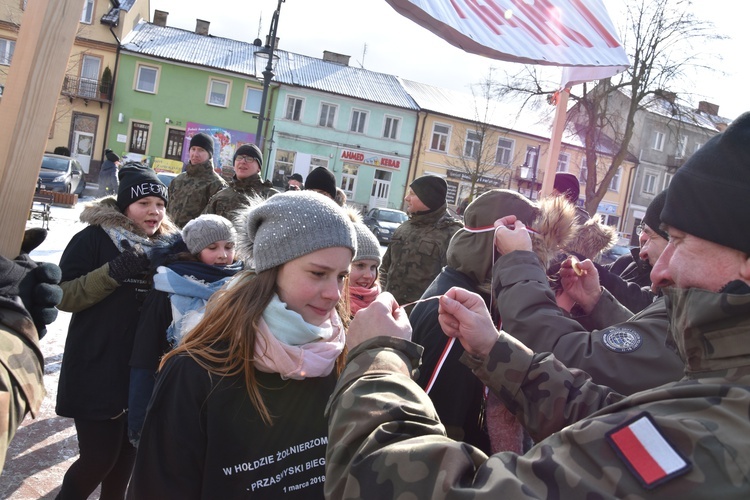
(646, 452)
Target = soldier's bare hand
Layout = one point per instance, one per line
(511, 235)
(383, 317)
(581, 284)
(463, 315)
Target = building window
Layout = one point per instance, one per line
(658, 141)
(504, 151)
(252, 100)
(138, 138)
(667, 180)
(472, 144)
(584, 171)
(327, 115)
(317, 161)
(359, 118)
(440, 137)
(88, 11)
(349, 179)
(175, 140)
(681, 146)
(390, 131)
(146, 79)
(218, 92)
(293, 108)
(649, 183)
(614, 185)
(563, 160)
(6, 51)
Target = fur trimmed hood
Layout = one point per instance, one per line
(593, 238)
(552, 218)
(105, 213)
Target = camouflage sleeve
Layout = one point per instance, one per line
(85, 291)
(543, 393)
(385, 441)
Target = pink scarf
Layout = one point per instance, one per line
(360, 297)
(316, 359)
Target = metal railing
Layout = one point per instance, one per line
(86, 88)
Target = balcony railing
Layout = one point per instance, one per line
(675, 162)
(86, 89)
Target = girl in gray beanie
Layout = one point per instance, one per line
(364, 284)
(246, 390)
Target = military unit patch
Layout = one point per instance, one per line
(622, 339)
(646, 452)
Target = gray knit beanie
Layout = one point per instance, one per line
(206, 229)
(368, 247)
(292, 224)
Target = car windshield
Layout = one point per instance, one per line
(59, 164)
(392, 216)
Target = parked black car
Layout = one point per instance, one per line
(383, 222)
(613, 254)
(62, 174)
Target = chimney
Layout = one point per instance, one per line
(336, 58)
(160, 17)
(708, 108)
(201, 26)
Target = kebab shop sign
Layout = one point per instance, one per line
(349, 156)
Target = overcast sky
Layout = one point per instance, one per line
(379, 39)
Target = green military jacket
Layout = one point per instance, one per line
(417, 253)
(237, 194)
(21, 374)
(190, 191)
(686, 439)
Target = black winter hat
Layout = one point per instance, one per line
(323, 179)
(249, 150)
(136, 182)
(708, 195)
(112, 156)
(654, 211)
(204, 141)
(431, 190)
(568, 185)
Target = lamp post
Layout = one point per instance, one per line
(268, 74)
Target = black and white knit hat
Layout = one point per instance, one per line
(292, 224)
(206, 229)
(136, 182)
(368, 247)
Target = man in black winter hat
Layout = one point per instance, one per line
(244, 184)
(323, 181)
(193, 188)
(417, 251)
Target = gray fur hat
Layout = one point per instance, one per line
(292, 224)
(368, 247)
(206, 229)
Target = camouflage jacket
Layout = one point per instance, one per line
(190, 191)
(626, 352)
(686, 439)
(236, 194)
(417, 253)
(21, 374)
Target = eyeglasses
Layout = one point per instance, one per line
(245, 158)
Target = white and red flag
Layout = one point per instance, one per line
(570, 33)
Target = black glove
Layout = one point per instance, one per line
(37, 283)
(132, 262)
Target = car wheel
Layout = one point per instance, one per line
(81, 187)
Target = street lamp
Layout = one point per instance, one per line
(266, 54)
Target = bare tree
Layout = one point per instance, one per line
(663, 40)
(477, 156)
